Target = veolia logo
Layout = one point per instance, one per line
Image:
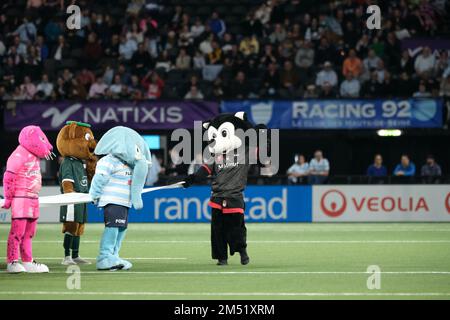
(333, 203)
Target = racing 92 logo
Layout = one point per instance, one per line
(333, 203)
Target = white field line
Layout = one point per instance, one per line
(232, 294)
(257, 241)
(219, 273)
(262, 228)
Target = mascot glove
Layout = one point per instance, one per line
(137, 203)
(7, 204)
(190, 179)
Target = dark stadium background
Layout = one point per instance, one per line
(349, 151)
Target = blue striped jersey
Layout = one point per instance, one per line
(118, 189)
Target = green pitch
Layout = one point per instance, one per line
(288, 261)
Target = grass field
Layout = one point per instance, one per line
(288, 261)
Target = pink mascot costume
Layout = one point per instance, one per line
(22, 183)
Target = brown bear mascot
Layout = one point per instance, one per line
(76, 143)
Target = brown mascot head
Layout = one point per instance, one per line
(76, 139)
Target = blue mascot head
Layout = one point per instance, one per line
(127, 145)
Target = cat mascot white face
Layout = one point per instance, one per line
(222, 129)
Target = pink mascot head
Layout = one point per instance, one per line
(35, 141)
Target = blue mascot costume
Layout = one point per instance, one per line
(117, 185)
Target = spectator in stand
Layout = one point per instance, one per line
(289, 80)
(199, 60)
(218, 91)
(127, 48)
(430, 171)
(406, 63)
(327, 91)
(17, 95)
(61, 89)
(326, 76)
(61, 50)
(299, 171)
(227, 43)
(424, 62)
(205, 46)
(264, 12)
(112, 48)
(304, 58)
(215, 56)
(125, 76)
(44, 88)
(140, 60)
(372, 88)
(268, 56)
(116, 88)
(3, 94)
(217, 25)
(135, 89)
(197, 28)
(86, 78)
(405, 168)
(77, 90)
(311, 92)
(239, 87)
(27, 89)
(93, 50)
(319, 169)
(442, 64)
(194, 94)
(271, 82)
(53, 30)
(153, 85)
(253, 23)
(422, 92)
(377, 169)
(325, 52)
(36, 34)
(26, 31)
(371, 61)
(98, 89)
(404, 85)
(350, 87)
(185, 37)
(183, 61)
(278, 35)
(163, 62)
(249, 46)
(352, 64)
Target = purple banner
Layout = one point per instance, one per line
(415, 45)
(103, 115)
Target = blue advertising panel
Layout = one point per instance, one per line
(342, 114)
(263, 204)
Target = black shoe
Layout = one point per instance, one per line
(113, 268)
(222, 262)
(245, 259)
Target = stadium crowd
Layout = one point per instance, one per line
(317, 170)
(193, 49)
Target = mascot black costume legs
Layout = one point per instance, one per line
(229, 170)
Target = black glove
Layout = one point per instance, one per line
(188, 181)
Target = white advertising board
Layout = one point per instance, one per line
(50, 214)
(381, 203)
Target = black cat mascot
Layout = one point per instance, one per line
(229, 166)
